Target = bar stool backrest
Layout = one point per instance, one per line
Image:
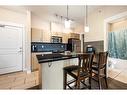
(85, 62)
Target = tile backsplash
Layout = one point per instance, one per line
(98, 45)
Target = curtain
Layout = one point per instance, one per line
(117, 44)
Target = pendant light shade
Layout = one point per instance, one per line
(86, 27)
(67, 22)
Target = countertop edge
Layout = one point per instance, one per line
(55, 59)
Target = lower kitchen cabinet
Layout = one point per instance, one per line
(35, 64)
(52, 73)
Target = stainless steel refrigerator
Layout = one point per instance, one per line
(74, 45)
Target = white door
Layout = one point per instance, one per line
(10, 49)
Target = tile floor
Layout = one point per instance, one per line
(19, 80)
(118, 70)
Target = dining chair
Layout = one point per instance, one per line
(79, 72)
(99, 68)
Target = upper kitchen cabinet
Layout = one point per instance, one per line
(46, 37)
(56, 29)
(57, 34)
(74, 35)
(65, 37)
(37, 35)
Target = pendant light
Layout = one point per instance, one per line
(67, 22)
(86, 28)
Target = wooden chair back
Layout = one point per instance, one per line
(102, 61)
(85, 62)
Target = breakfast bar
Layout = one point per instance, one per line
(52, 69)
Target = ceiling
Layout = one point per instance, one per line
(75, 12)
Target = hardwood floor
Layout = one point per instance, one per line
(112, 84)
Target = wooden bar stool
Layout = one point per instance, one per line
(99, 68)
(79, 72)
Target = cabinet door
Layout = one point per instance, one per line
(75, 35)
(46, 75)
(52, 75)
(35, 64)
(65, 37)
(46, 36)
(36, 35)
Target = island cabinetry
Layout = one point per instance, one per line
(35, 65)
(52, 73)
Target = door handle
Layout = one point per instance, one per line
(20, 49)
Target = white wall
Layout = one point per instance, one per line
(57, 25)
(12, 16)
(28, 42)
(120, 25)
(96, 21)
(39, 23)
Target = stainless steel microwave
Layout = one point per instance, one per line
(56, 39)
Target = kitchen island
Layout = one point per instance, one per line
(52, 69)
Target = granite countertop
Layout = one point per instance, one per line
(43, 58)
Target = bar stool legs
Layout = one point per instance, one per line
(64, 79)
(106, 78)
(90, 82)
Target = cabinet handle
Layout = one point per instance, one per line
(49, 64)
